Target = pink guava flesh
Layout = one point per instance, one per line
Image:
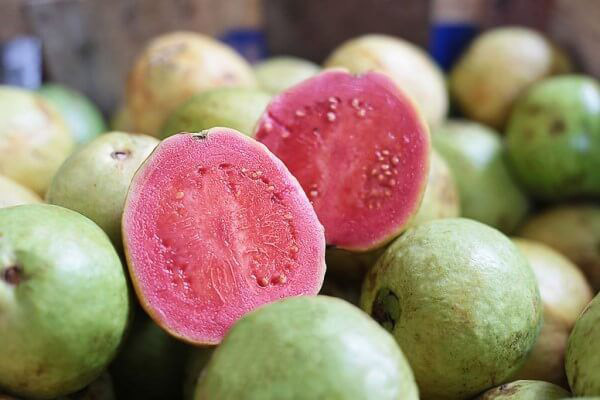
(360, 150)
(215, 226)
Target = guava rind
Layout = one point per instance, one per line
(14, 194)
(525, 390)
(277, 74)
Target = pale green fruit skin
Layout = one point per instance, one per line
(486, 189)
(553, 138)
(277, 74)
(573, 230)
(307, 348)
(583, 358)
(565, 292)
(462, 302)
(441, 199)
(497, 67)
(94, 180)
(525, 390)
(409, 66)
(64, 321)
(34, 139)
(236, 108)
(13, 194)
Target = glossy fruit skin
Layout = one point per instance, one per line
(64, 300)
(35, 136)
(497, 67)
(583, 358)
(279, 73)
(525, 390)
(553, 138)
(487, 190)
(309, 347)
(438, 289)
(14, 194)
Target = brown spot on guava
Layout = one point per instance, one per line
(12, 275)
(558, 127)
(120, 154)
(534, 109)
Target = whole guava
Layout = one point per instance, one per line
(573, 230)
(95, 179)
(34, 139)
(14, 194)
(462, 302)
(525, 390)
(63, 299)
(553, 138)
(307, 347)
(236, 108)
(497, 67)
(277, 74)
(487, 192)
(565, 293)
(583, 358)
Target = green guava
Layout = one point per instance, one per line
(497, 67)
(525, 390)
(582, 361)
(34, 139)
(486, 189)
(175, 66)
(409, 66)
(553, 138)
(462, 302)
(565, 293)
(236, 108)
(63, 299)
(277, 74)
(13, 194)
(95, 179)
(83, 118)
(573, 230)
(307, 347)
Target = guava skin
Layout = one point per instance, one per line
(175, 66)
(95, 179)
(583, 358)
(64, 301)
(553, 138)
(14, 194)
(573, 230)
(462, 302)
(83, 118)
(236, 108)
(100, 389)
(486, 189)
(565, 292)
(525, 390)
(497, 67)
(34, 135)
(277, 74)
(308, 347)
(409, 66)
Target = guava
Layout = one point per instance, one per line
(150, 365)
(582, 361)
(194, 367)
(565, 293)
(100, 389)
(175, 66)
(277, 74)
(525, 390)
(487, 191)
(236, 108)
(307, 348)
(34, 139)
(573, 230)
(83, 118)
(497, 67)
(409, 66)
(121, 120)
(553, 138)
(214, 226)
(14, 194)
(95, 179)
(462, 302)
(441, 199)
(64, 301)
(360, 150)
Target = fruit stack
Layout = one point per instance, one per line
(183, 255)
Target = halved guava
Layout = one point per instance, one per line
(359, 148)
(214, 226)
